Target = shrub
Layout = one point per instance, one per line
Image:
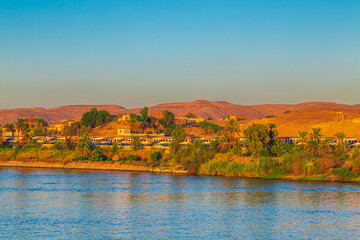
(293, 162)
(267, 164)
(210, 127)
(82, 157)
(59, 146)
(97, 155)
(264, 153)
(132, 157)
(344, 172)
(156, 157)
(326, 163)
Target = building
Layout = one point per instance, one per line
(124, 131)
(123, 117)
(59, 126)
(236, 117)
(188, 121)
(159, 115)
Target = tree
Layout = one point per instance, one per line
(340, 140)
(84, 145)
(273, 133)
(22, 125)
(95, 118)
(315, 140)
(232, 128)
(168, 122)
(325, 148)
(316, 134)
(190, 115)
(89, 118)
(155, 158)
(102, 117)
(313, 146)
(73, 129)
(210, 127)
(135, 143)
(178, 135)
(144, 115)
(257, 138)
(42, 123)
(1, 137)
(134, 122)
(195, 154)
(302, 138)
(10, 128)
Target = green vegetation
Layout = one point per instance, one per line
(209, 127)
(190, 115)
(95, 118)
(168, 122)
(179, 136)
(260, 138)
(344, 172)
(258, 155)
(84, 145)
(135, 143)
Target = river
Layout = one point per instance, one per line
(66, 204)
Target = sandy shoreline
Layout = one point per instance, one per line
(88, 165)
(121, 167)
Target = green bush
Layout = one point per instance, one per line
(267, 164)
(344, 172)
(156, 157)
(264, 153)
(97, 155)
(82, 157)
(59, 146)
(132, 157)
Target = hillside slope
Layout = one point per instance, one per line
(54, 114)
(329, 120)
(201, 108)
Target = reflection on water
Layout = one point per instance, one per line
(65, 204)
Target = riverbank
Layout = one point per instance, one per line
(295, 166)
(118, 166)
(89, 165)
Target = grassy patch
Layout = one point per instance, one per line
(319, 178)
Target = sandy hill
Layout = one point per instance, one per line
(54, 114)
(201, 108)
(329, 120)
(205, 109)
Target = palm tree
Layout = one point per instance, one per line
(340, 140)
(134, 123)
(302, 138)
(22, 126)
(316, 134)
(10, 128)
(1, 136)
(325, 148)
(232, 128)
(312, 146)
(273, 133)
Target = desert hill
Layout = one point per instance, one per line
(330, 121)
(53, 114)
(201, 108)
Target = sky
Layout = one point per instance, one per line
(136, 53)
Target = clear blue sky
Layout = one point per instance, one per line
(136, 53)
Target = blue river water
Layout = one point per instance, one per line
(69, 204)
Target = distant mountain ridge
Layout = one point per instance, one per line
(201, 108)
